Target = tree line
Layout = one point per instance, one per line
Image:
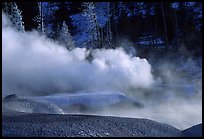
(105, 24)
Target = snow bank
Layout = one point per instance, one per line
(14, 104)
(80, 102)
(43, 125)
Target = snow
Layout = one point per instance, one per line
(43, 125)
(28, 106)
(102, 12)
(88, 99)
(175, 5)
(83, 29)
(190, 4)
(147, 41)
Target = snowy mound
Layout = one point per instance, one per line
(13, 103)
(88, 101)
(49, 125)
(79, 102)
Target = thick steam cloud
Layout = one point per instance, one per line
(35, 65)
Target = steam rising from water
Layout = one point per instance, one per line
(34, 65)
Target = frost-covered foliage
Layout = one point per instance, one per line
(48, 14)
(82, 28)
(90, 14)
(93, 27)
(86, 25)
(193, 9)
(141, 9)
(65, 37)
(175, 5)
(16, 17)
(197, 12)
(103, 13)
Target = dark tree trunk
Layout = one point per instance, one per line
(164, 21)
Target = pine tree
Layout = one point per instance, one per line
(16, 17)
(60, 12)
(65, 37)
(90, 14)
(93, 25)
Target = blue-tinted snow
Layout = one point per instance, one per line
(189, 4)
(43, 125)
(102, 13)
(96, 100)
(15, 104)
(93, 99)
(175, 5)
(149, 40)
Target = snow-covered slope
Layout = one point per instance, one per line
(16, 104)
(26, 116)
(85, 101)
(48, 125)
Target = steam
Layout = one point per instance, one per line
(34, 65)
(180, 114)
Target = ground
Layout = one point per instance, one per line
(47, 125)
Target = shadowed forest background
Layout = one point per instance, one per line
(148, 26)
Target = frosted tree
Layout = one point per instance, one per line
(90, 14)
(93, 25)
(194, 9)
(16, 17)
(65, 37)
(40, 18)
